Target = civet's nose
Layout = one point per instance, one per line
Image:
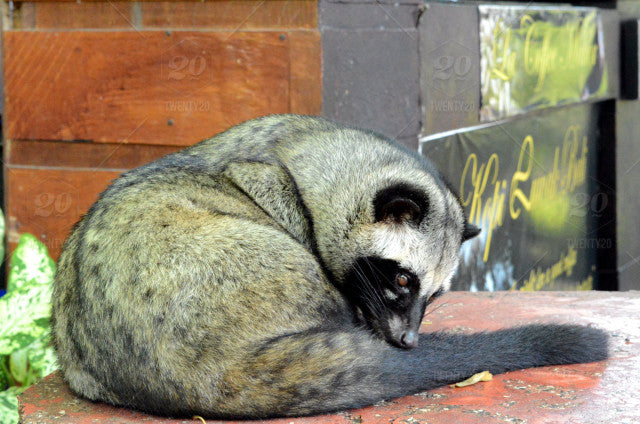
(409, 339)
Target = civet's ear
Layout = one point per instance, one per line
(400, 203)
(399, 210)
(469, 232)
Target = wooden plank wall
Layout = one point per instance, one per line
(93, 89)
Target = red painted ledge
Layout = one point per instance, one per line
(603, 392)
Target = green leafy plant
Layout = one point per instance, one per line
(25, 352)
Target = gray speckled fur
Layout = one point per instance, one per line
(212, 281)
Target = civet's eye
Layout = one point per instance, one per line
(402, 280)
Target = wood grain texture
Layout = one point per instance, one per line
(64, 15)
(168, 88)
(62, 154)
(305, 60)
(231, 14)
(82, 155)
(48, 202)
(225, 15)
(23, 17)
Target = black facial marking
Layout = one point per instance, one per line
(400, 202)
(424, 306)
(369, 277)
(367, 287)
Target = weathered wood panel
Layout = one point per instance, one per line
(231, 15)
(48, 202)
(140, 94)
(23, 16)
(64, 15)
(82, 155)
(306, 72)
(171, 88)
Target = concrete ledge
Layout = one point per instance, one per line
(604, 392)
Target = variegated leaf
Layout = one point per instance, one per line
(19, 366)
(5, 381)
(9, 405)
(24, 315)
(30, 262)
(42, 357)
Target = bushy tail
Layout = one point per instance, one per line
(327, 370)
(447, 358)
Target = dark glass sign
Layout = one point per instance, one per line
(528, 184)
(534, 57)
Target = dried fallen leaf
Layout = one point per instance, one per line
(481, 376)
